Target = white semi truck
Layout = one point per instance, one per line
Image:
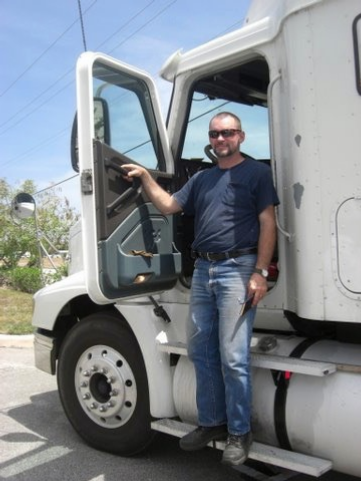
(114, 330)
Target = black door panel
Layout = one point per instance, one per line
(135, 241)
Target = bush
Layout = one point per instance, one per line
(25, 279)
(61, 272)
(4, 277)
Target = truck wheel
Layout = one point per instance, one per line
(103, 385)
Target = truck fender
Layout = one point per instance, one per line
(49, 301)
(148, 329)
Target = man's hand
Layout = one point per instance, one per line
(133, 171)
(257, 284)
(162, 200)
(258, 287)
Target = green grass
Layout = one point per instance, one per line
(15, 312)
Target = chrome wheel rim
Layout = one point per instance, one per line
(105, 386)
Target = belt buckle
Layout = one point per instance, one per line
(208, 256)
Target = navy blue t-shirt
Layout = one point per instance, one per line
(226, 204)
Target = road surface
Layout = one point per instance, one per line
(37, 442)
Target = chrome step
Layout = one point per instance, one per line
(299, 366)
(269, 361)
(290, 460)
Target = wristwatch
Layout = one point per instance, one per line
(263, 272)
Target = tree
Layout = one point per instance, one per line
(54, 217)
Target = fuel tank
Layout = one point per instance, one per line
(310, 414)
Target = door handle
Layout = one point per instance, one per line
(110, 164)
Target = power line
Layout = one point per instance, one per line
(44, 52)
(47, 141)
(36, 147)
(34, 100)
(47, 89)
(230, 28)
(39, 146)
(126, 24)
(37, 108)
(82, 25)
(143, 26)
(50, 139)
(56, 185)
(71, 71)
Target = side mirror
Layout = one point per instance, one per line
(74, 149)
(23, 206)
(101, 129)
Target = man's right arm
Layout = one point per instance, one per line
(162, 200)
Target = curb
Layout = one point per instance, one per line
(7, 340)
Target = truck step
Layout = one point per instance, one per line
(269, 361)
(299, 366)
(290, 460)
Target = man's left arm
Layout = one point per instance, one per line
(266, 245)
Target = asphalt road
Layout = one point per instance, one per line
(37, 442)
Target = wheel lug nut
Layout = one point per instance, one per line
(86, 396)
(93, 406)
(114, 392)
(94, 368)
(111, 380)
(103, 409)
(86, 373)
(84, 384)
(103, 370)
(110, 404)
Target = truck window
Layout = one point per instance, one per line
(132, 127)
(254, 122)
(241, 90)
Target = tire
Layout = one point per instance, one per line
(103, 385)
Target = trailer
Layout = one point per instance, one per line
(114, 330)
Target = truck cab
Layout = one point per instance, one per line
(114, 331)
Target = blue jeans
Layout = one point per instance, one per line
(219, 342)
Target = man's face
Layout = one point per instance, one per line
(226, 146)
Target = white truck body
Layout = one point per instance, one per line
(293, 74)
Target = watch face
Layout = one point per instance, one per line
(263, 272)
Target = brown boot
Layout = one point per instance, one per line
(237, 449)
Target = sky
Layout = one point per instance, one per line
(40, 42)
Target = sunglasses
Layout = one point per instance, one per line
(226, 133)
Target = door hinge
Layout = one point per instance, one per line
(87, 182)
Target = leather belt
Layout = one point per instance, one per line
(221, 256)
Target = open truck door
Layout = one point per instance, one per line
(128, 244)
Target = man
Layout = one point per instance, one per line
(235, 234)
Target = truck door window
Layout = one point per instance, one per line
(132, 128)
